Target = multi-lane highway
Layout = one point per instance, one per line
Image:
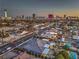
(10, 46)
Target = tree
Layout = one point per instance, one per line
(62, 55)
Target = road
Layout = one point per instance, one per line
(9, 46)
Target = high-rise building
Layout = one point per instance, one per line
(5, 13)
(33, 15)
(22, 17)
(65, 16)
(50, 17)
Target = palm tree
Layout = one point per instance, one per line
(1, 35)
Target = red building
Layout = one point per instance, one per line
(50, 17)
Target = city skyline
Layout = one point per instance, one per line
(40, 7)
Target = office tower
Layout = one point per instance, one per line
(33, 15)
(5, 12)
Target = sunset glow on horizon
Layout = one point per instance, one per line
(41, 7)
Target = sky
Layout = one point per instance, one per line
(40, 7)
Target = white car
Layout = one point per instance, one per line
(8, 48)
